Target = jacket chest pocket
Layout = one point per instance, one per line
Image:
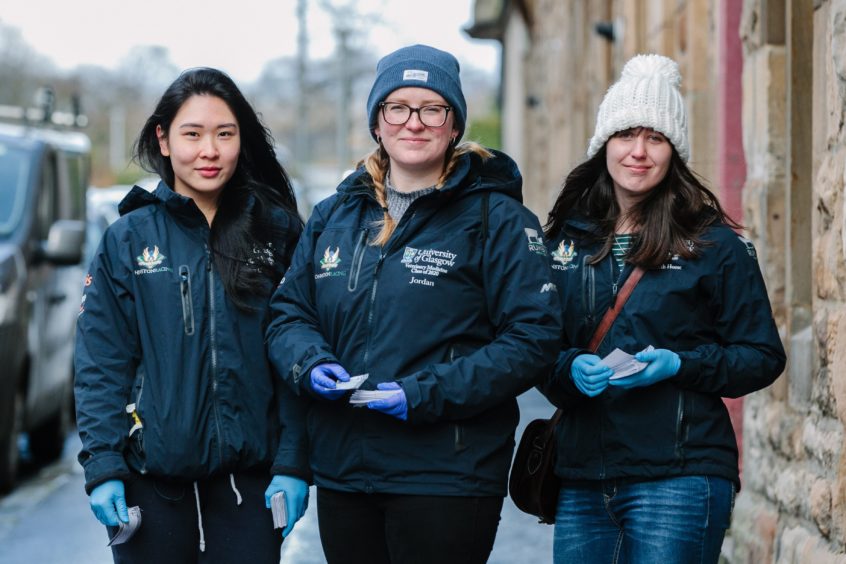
(185, 295)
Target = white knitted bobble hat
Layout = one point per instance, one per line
(647, 95)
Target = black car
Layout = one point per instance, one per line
(43, 180)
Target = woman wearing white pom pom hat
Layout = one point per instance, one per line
(648, 461)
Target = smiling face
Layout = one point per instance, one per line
(415, 149)
(203, 143)
(637, 160)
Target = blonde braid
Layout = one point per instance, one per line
(376, 164)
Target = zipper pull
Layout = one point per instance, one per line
(614, 289)
(130, 409)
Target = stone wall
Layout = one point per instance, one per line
(792, 508)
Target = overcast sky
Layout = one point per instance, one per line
(237, 36)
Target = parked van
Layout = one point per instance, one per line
(44, 175)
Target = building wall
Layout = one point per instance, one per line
(793, 506)
(786, 181)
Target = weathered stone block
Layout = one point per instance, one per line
(837, 354)
(822, 439)
(797, 545)
(753, 529)
(821, 505)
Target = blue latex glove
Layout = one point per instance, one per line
(108, 503)
(663, 364)
(589, 374)
(296, 498)
(323, 377)
(395, 405)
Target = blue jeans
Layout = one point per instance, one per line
(671, 521)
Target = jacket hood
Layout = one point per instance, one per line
(165, 196)
(498, 173)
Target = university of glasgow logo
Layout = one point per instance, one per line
(565, 253)
(150, 260)
(330, 259)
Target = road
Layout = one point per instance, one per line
(46, 519)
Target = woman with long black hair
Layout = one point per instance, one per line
(178, 409)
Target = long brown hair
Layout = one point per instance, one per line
(378, 163)
(672, 216)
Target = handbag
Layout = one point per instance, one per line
(533, 485)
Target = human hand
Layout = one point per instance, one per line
(589, 374)
(323, 377)
(296, 498)
(108, 503)
(662, 364)
(395, 404)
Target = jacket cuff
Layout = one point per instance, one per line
(303, 382)
(101, 468)
(280, 470)
(689, 370)
(413, 399)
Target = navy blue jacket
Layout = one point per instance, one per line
(461, 314)
(713, 311)
(157, 331)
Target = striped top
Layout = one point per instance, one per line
(622, 244)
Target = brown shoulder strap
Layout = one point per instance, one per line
(614, 310)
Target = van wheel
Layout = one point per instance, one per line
(47, 441)
(9, 454)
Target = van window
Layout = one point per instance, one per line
(14, 175)
(78, 183)
(47, 197)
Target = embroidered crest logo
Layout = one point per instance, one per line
(150, 260)
(330, 259)
(565, 253)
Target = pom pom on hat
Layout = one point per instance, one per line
(647, 95)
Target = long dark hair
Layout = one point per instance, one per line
(671, 217)
(245, 234)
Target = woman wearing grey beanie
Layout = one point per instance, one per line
(426, 278)
(647, 457)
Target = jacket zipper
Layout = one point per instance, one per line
(358, 258)
(187, 306)
(370, 305)
(680, 427)
(383, 252)
(143, 469)
(457, 427)
(213, 349)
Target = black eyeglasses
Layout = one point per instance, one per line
(398, 114)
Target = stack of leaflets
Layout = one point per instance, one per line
(126, 530)
(353, 384)
(280, 513)
(624, 364)
(362, 397)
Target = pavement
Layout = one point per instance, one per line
(46, 519)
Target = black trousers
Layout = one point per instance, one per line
(360, 528)
(170, 522)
